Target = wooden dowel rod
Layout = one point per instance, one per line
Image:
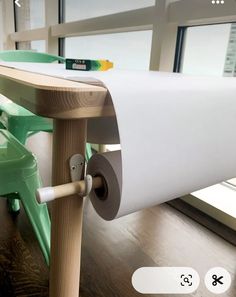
(102, 148)
(78, 187)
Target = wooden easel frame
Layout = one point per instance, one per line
(70, 104)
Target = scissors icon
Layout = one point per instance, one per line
(217, 280)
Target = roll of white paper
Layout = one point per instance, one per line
(177, 135)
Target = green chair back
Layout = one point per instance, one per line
(28, 56)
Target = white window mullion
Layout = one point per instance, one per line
(159, 24)
(51, 17)
(8, 24)
(135, 20)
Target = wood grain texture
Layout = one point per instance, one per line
(54, 97)
(69, 138)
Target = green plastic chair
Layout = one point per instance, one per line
(19, 179)
(19, 121)
(29, 56)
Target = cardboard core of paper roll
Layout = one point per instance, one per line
(109, 167)
(101, 192)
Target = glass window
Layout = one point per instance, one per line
(1, 26)
(230, 61)
(205, 49)
(35, 45)
(30, 15)
(129, 50)
(211, 50)
(85, 9)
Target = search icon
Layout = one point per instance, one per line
(186, 280)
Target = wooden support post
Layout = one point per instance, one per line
(69, 138)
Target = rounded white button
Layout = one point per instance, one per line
(165, 280)
(218, 280)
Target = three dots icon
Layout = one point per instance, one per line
(218, 2)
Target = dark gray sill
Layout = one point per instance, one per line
(205, 220)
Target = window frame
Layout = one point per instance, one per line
(61, 20)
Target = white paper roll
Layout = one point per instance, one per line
(177, 135)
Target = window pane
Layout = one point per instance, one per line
(30, 15)
(230, 61)
(84, 9)
(1, 26)
(211, 50)
(35, 45)
(129, 50)
(205, 49)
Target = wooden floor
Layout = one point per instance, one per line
(111, 251)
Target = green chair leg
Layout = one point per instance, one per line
(20, 133)
(13, 203)
(89, 152)
(37, 213)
